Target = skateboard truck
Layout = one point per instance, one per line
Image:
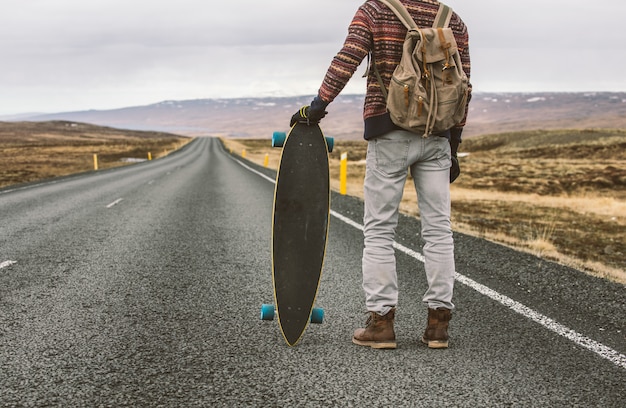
(278, 140)
(268, 312)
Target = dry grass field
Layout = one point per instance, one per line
(31, 151)
(559, 194)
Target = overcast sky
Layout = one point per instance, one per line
(60, 55)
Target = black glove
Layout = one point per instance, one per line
(310, 114)
(455, 170)
(455, 140)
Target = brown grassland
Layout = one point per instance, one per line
(559, 194)
(31, 151)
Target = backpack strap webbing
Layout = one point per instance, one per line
(402, 13)
(443, 16)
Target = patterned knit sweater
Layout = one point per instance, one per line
(376, 28)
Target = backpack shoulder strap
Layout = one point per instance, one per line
(443, 16)
(402, 13)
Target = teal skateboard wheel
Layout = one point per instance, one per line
(267, 312)
(317, 315)
(278, 139)
(330, 142)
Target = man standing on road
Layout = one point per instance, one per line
(391, 152)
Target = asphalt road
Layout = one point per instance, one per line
(141, 286)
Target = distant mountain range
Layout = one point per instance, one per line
(259, 117)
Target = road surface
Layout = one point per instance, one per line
(141, 286)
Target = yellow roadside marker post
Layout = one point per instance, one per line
(343, 174)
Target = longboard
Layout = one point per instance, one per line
(299, 229)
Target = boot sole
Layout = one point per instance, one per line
(376, 344)
(436, 344)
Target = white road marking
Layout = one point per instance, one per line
(242, 164)
(114, 203)
(7, 264)
(10, 190)
(600, 349)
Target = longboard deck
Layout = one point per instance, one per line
(300, 227)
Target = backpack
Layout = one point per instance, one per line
(428, 90)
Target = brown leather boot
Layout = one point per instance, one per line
(378, 332)
(436, 334)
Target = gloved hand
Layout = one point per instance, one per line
(455, 170)
(455, 140)
(310, 114)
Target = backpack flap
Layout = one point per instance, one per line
(438, 44)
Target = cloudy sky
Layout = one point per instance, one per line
(60, 55)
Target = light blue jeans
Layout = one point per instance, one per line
(389, 159)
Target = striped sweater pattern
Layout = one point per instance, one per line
(376, 28)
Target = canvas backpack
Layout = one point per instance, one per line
(428, 90)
